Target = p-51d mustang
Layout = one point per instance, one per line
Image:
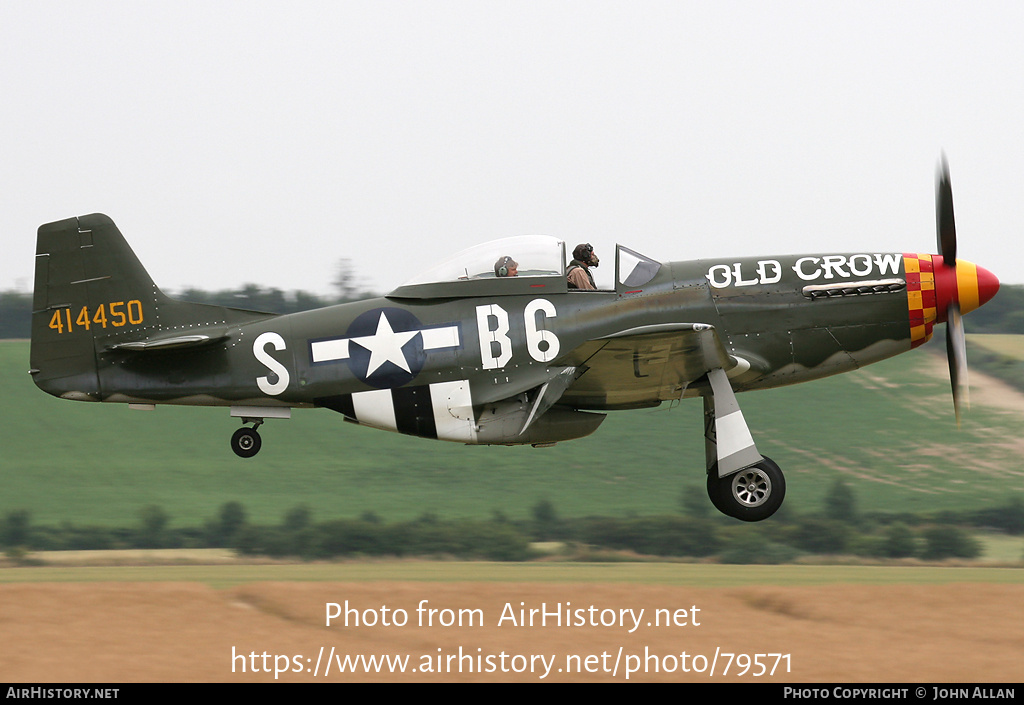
(466, 353)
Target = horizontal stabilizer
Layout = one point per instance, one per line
(170, 343)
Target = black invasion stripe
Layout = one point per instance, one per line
(414, 413)
(342, 403)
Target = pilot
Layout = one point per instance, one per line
(506, 267)
(578, 273)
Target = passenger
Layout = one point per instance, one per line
(506, 267)
(578, 274)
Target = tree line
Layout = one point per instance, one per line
(16, 306)
(696, 533)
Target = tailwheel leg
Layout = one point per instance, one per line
(246, 442)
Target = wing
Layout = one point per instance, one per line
(642, 367)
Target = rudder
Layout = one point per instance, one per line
(89, 287)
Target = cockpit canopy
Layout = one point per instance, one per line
(541, 261)
(541, 270)
(537, 255)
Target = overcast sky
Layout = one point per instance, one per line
(262, 142)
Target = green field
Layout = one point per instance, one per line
(888, 430)
(1011, 346)
(683, 574)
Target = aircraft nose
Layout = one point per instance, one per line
(987, 284)
(967, 283)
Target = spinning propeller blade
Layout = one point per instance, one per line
(945, 226)
(956, 354)
(956, 345)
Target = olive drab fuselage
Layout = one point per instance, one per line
(462, 355)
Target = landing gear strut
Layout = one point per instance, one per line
(246, 442)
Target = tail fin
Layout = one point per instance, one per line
(93, 296)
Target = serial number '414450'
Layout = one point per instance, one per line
(116, 314)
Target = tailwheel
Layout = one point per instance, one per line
(752, 494)
(246, 442)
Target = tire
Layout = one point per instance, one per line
(246, 442)
(715, 491)
(752, 494)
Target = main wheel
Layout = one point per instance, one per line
(715, 491)
(246, 442)
(752, 494)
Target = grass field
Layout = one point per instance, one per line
(647, 573)
(887, 429)
(1011, 346)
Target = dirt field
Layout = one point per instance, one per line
(172, 632)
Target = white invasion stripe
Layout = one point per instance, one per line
(453, 411)
(375, 408)
(732, 434)
(327, 350)
(447, 337)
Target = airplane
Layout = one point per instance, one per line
(465, 353)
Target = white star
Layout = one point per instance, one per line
(385, 346)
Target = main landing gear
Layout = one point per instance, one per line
(246, 442)
(752, 494)
(742, 483)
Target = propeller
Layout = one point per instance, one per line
(956, 344)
